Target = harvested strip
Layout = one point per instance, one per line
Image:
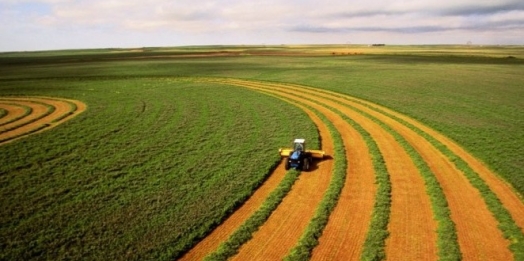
(38, 111)
(244, 233)
(222, 232)
(46, 113)
(283, 228)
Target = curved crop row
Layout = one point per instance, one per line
(445, 203)
(14, 112)
(507, 210)
(244, 232)
(40, 113)
(391, 152)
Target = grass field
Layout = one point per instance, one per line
(160, 157)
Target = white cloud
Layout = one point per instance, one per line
(279, 21)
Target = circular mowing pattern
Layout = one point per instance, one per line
(411, 222)
(29, 115)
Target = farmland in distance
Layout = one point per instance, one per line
(161, 156)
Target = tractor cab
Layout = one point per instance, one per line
(299, 145)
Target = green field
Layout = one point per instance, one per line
(159, 159)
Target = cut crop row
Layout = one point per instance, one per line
(507, 224)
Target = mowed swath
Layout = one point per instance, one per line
(412, 209)
(412, 226)
(29, 115)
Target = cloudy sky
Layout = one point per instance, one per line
(71, 24)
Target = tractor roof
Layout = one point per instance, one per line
(299, 141)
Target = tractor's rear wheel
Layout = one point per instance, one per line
(287, 165)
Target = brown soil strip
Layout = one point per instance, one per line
(478, 234)
(230, 225)
(13, 111)
(38, 121)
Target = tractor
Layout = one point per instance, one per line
(299, 157)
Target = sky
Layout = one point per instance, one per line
(29, 25)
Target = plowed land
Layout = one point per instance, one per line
(414, 232)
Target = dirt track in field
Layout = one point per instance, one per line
(412, 228)
(30, 115)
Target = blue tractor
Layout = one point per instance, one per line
(298, 157)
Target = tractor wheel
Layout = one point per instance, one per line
(306, 164)
(287, 165)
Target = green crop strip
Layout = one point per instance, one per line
(374, 246)
(306, 243)
(506, 223)
(3, 113)
(245, 232)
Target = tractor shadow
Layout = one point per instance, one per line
(314, 165)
